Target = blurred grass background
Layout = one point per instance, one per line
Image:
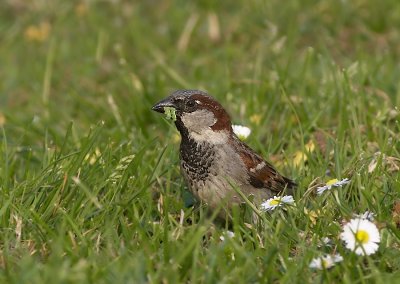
(90, 188)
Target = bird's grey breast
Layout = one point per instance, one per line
(202, 161)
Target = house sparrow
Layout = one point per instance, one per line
(214, 159)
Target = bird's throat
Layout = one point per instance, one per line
(197, 158)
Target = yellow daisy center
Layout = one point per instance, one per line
(362, 236)
(324, 263)
(275, 202)
(332, 181)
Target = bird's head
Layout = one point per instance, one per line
(196, 112)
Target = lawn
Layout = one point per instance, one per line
(90, 189)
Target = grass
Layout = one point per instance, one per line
(90, 189)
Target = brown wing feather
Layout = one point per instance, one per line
(261, 173)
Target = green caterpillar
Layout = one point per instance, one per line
(170, 113)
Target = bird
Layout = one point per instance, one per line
(214, 162)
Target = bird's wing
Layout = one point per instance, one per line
(261, 173)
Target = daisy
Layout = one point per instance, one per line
(241, 131)
(228, 234)
(276, 201)
(332, 183)
(361, 236)
(326, 261)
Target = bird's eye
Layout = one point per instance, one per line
(190, 103)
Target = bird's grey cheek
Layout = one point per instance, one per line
(198, 120)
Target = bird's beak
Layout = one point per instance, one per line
(159, 107)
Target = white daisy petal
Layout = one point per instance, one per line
(342, 182)
(228, 234)
(241, 131)
(316, 263)
(322, 189)
(325, 242)
(326, 261)
(287, 199)
(361, 236)
(368, 215)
